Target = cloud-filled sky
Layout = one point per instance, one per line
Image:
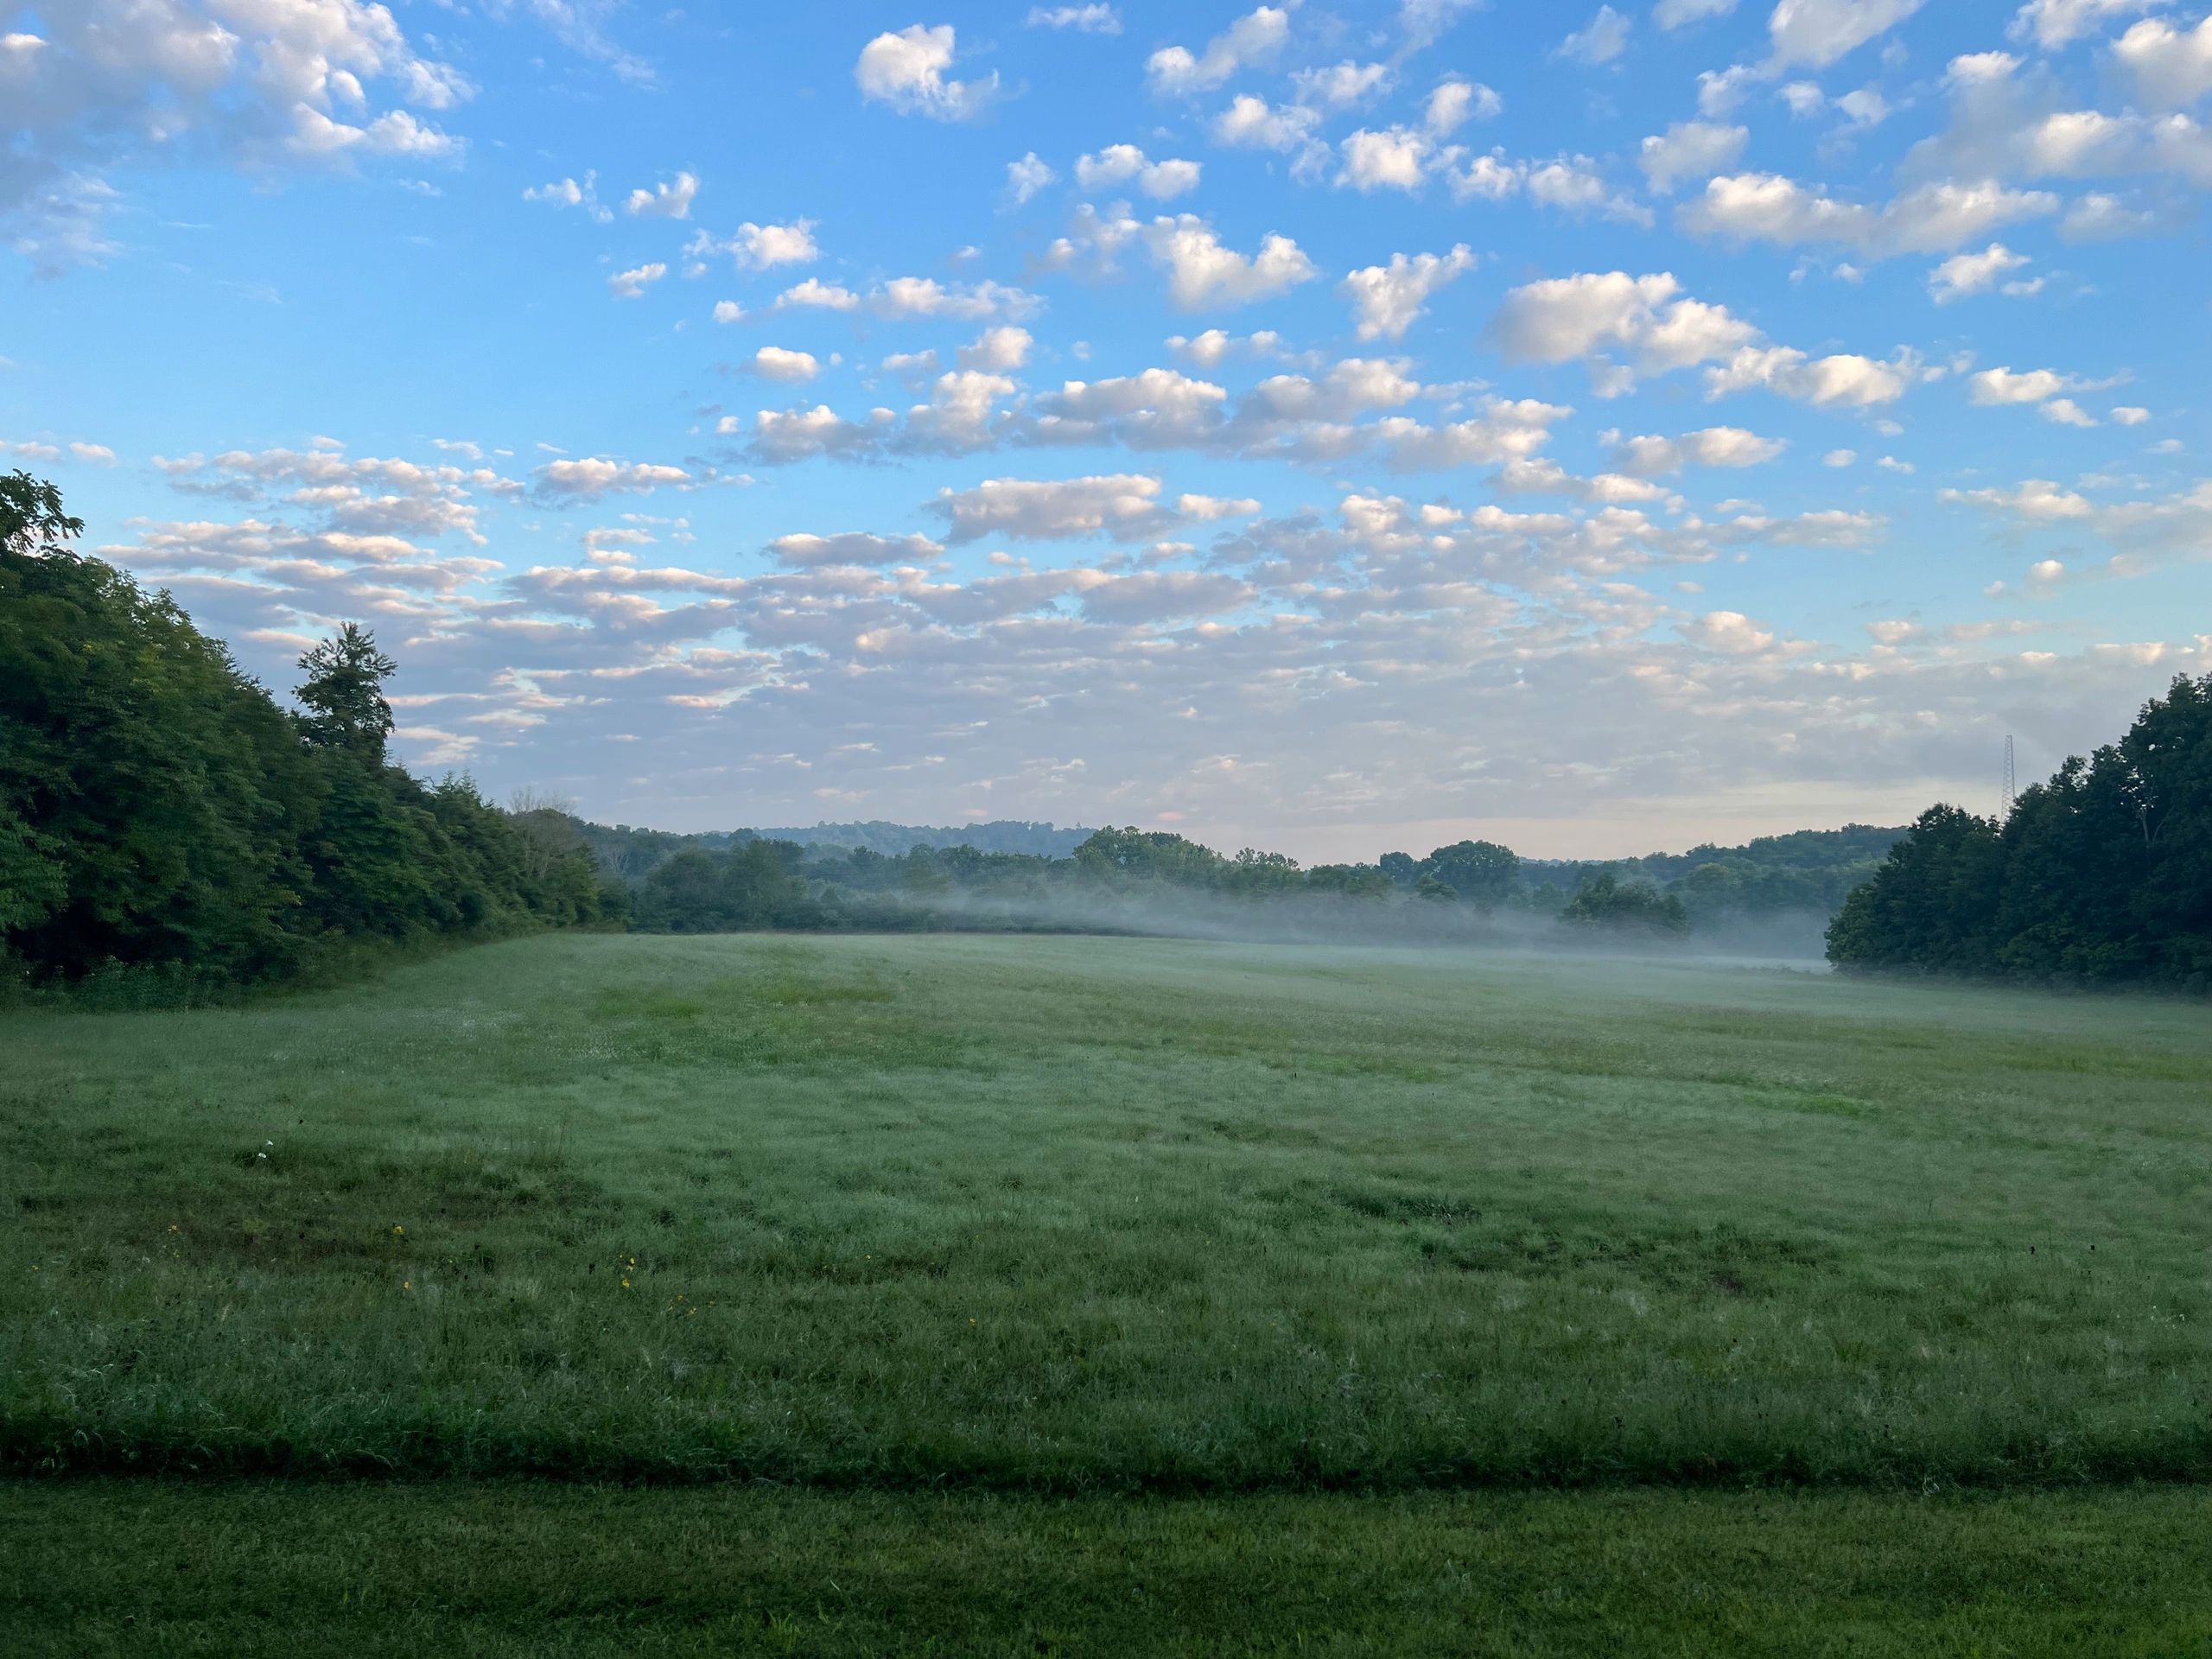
(1329, 427)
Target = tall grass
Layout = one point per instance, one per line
(1084, 1215)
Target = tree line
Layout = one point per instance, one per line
(161, 813)
(2103, 874)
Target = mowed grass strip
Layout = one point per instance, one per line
(247, 1568)
(1081, 1215)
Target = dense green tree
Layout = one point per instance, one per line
(2102, 873)
(1607, 902)
(158, 808)
(343, 693)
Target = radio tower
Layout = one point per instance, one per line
(2012, 791)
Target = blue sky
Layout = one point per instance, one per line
(1328, 427)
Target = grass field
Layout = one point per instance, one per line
(1278, 1239)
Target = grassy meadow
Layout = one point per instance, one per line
(1230, 1245)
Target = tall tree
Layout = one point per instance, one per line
(344, 693)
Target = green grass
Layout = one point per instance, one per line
(286, 1569)
(1078, 1216)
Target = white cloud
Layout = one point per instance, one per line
(905, 71)
(2055, 24)
(1932, 219)
(631, 285)
(2001, 385)
(1729, 632)
(2064, 411)
(1715, 446)
(594, 476)
(2097, 217)
(1026, 177)
(1251, 123)
(669, 199)
(1679, 14)
(1123, 505)
(2172, 67)
(1600, 41)
(1566, 317)
(98, 455)
(854, 547)
(1981, 68)
(1395, 158)
(1816, 33)
(1202, 271)
(759, 247)
(570, 194)
(792, 368)
(1688, 148)
(924, 296)
(1973, 273)
(1086, 20)
(726, 311)
(2036, 501)
(1456, 101)
(997, 350)
(1255, 38)
(1842, 381)
(1120, 164)
(1386, 299)
(1342, 86)
(818, 296)
(1839, 458)
(2129, 415)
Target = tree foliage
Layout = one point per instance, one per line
(158, 808)
(2104, 874)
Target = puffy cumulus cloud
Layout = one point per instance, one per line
(906, 71)
(1543, 476)
(1817, 33)
(792, 368)
(1729, 632)
(1688, 150)
(2172, 67)
(781, 436)
(670, 199)
(1455, 101)
(1563, 318)
(1603, 39)
(1394, 158)
(1214, 346)
(1252, 123)
(1254, 39)
(814, 295)
(854, 547)
(1713, 445)
(924, 296)
(2055, 24)
(1343, 86)
(567, 193)
(1202, 271)
(1968, 274)
(2037, 501)
(1571, 184)
(1766, 206)
(1120, 164)
(1844, 380)
(1386, 299)
(1096, 19)
(591, 477)
(758, 247)
(2001, 385)
(1124, 507)
(997, 350)
(1028, 176)
(263, 83)
(1159, 408)
(631, 285)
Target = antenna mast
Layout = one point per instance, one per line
(2012, 788)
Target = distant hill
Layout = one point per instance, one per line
(895, 840)
(632, 853)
